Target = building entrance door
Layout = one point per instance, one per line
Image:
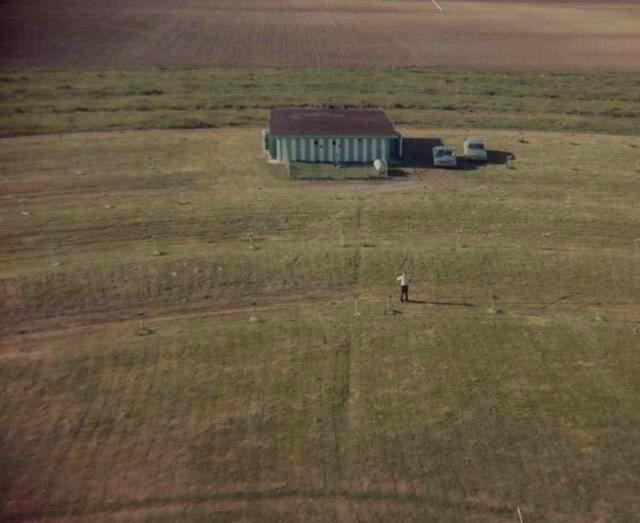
(337, 152)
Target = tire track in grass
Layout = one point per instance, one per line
(164, 460)
(114, 398)
(340, 401)
(388, 440)
(94, 436)
(75, 442)
(150, 361)
(256, 410)
(30, 376)
(133, 399)
(59, 453)
(117, 398)
(321, 409)
(153, 384)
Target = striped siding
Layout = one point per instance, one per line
(346, 149)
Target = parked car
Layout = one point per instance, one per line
(475, 150)
(444, 156)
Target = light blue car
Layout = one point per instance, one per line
(444, 156)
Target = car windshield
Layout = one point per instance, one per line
(477, 146)
(444, 152)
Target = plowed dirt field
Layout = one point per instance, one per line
(509, 35)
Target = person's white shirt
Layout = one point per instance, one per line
(403, 279)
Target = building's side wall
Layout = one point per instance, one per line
(335, 149)
(271, 145)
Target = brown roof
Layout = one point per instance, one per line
(330, 122)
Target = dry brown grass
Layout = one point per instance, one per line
(441, 411)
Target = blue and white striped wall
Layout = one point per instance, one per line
(338, 149)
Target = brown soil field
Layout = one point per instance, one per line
(500, 35)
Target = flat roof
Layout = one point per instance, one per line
(330, 122)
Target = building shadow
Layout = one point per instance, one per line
(418, 152)
(494, 158)
(4, 487)
(442, 303)
(396, 173)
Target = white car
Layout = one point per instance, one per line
(444, 156)
(474, 149)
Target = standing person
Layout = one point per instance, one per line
(404, 286)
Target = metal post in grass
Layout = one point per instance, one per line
(253, 318)
(23, 211)
(250, 240)
(260, 190)
(53, 262)
(156, 251)
(613, 272)
(569, 198)
(143, 330)
(356, 309)
(106, 205)
(636, 261)
(459, 233)
(494, 306)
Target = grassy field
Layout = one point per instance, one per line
(509, 382)
(35, 101)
